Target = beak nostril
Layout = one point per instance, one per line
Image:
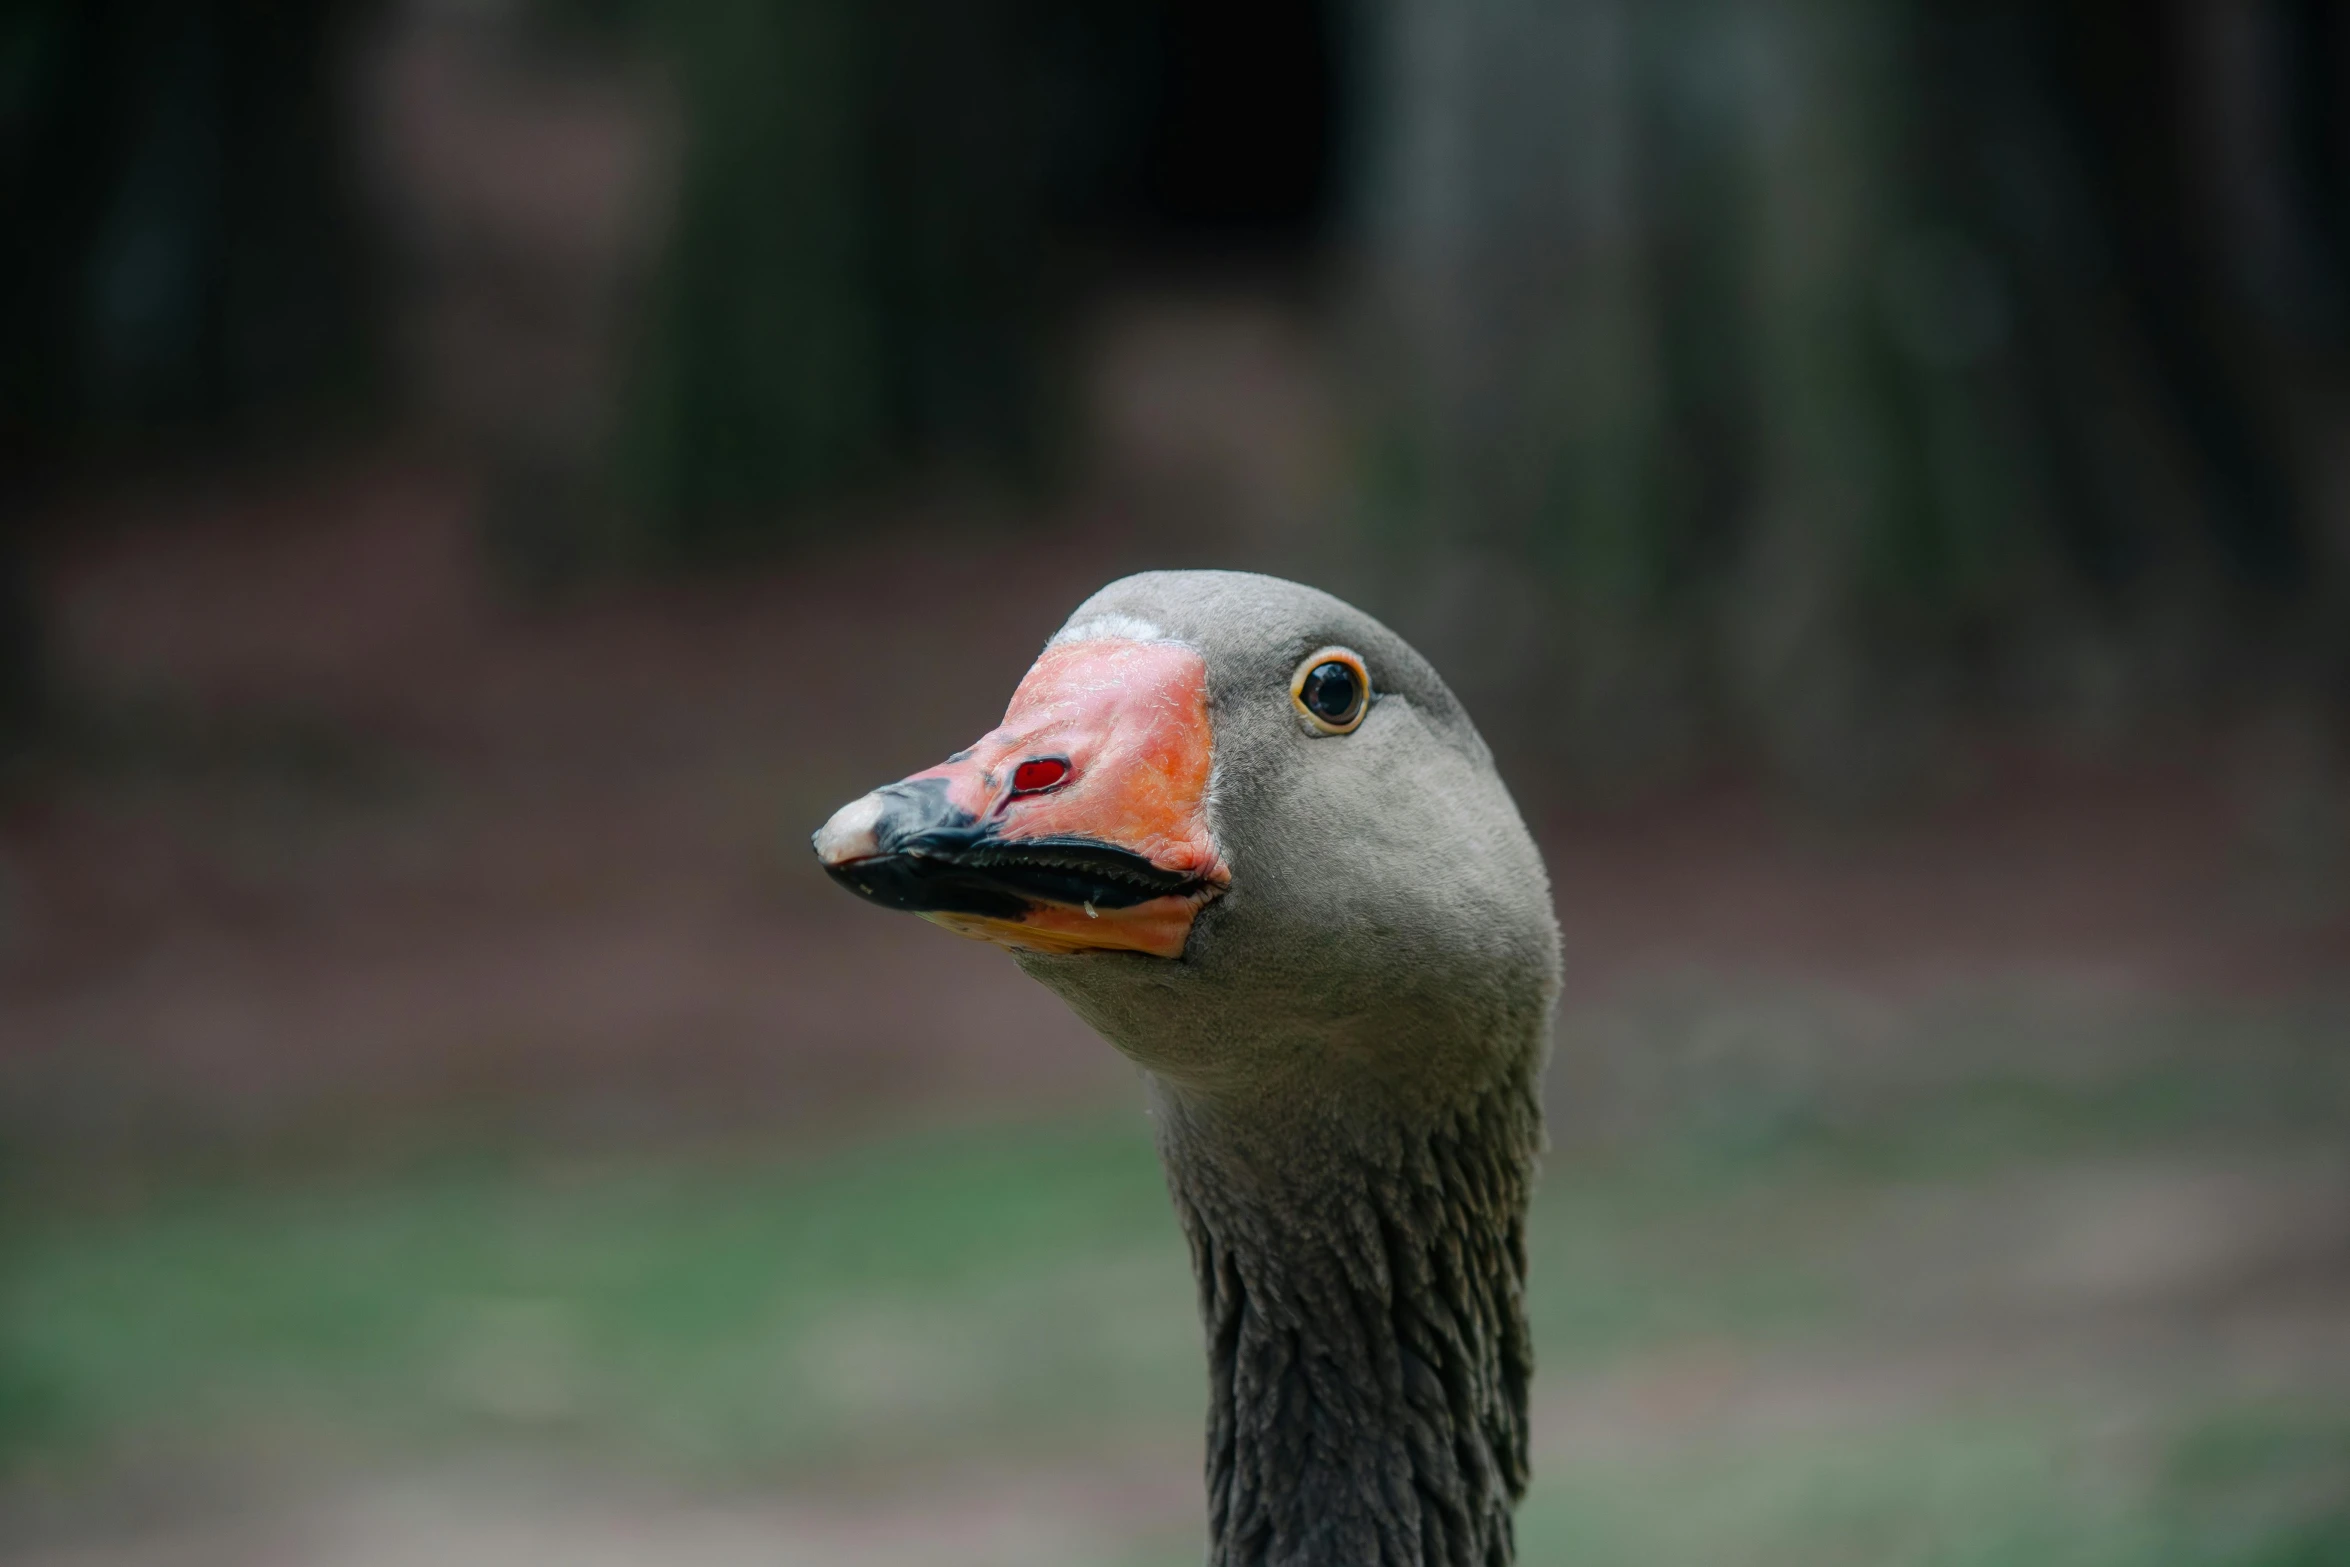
(1040, 773)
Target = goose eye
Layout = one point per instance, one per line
(1332, 688)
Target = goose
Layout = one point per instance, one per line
(1246, 833)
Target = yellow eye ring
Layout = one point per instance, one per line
(1332, 690)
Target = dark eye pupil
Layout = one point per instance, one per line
(1332, 692)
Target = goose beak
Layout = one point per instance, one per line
(1077, 825)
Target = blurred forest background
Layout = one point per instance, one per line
(479, 479)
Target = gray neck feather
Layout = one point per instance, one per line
(1368, 1354)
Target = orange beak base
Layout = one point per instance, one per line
(1078, 824)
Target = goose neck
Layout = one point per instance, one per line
(1362, 1290)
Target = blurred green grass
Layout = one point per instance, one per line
(1733, 1304)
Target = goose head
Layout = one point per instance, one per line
(1248, 834)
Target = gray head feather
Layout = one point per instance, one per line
(1389, 923)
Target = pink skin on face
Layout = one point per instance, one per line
(1130, 720)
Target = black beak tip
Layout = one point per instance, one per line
(922, 884)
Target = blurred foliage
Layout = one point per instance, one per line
(862, 273)
(1813, 372)
(1835, 362)
(180, 259)
(181, 248)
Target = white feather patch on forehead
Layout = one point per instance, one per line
(1131, 628)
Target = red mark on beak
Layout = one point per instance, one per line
(1040, 773)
